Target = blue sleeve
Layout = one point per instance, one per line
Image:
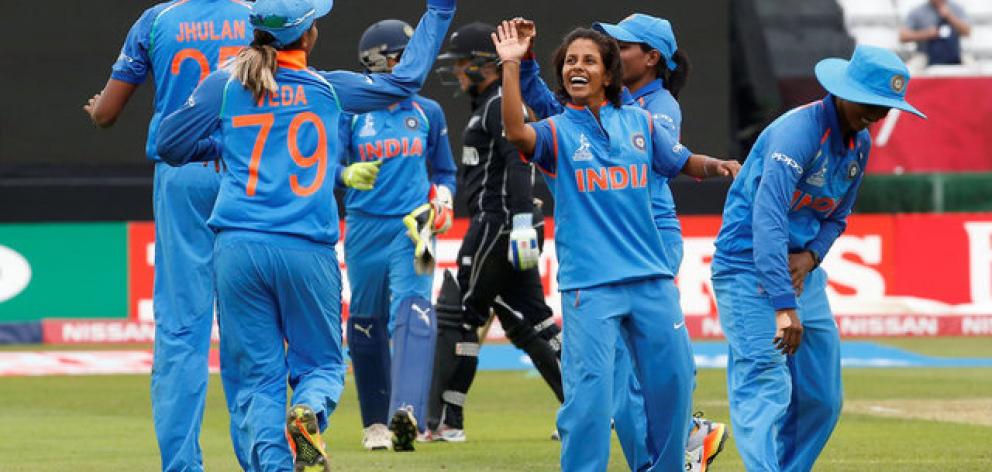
(134, 63)
(536, 93)
(439, 156)
(347, 152)
(358, 93)
(786, 154)
(835, 224)
(185, 135)
(668, 154)
(545, 155)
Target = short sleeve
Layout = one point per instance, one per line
(545, 155)
(134, 62)
(668, 154)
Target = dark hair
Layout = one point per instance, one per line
(674, 80)
(255, 66)
(609, 52)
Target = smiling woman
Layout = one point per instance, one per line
(589, 70)
(612, 275)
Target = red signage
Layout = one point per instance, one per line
(889, 275)
(956, 137)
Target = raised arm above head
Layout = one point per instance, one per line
(511, 48)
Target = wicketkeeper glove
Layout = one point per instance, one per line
(419, 227)
(361, 175)
(441, 202)
(523, 250)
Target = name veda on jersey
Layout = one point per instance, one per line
(190, 31)
(392, 147)
(284, 97)
(611, 178)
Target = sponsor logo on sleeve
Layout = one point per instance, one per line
(777, 156)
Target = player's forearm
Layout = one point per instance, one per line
(536, 93)
(962, 27)
(512, 108)
(109, 106)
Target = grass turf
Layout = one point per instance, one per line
(102, 423)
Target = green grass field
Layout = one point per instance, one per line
(894, 419)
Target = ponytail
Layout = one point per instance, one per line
(255, 66)
(676, 79)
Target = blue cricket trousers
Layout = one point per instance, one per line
(646, 315)
(279, 311)
(783, 408)
(183, 298)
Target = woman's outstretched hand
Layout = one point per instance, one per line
(510, 45)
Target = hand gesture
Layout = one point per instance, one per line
(788, 331)
(729, 168)
(509, 44)
(525, 28)
(90, 106)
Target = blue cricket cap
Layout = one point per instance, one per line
(873, 76)
(287, 20)
(640, 28)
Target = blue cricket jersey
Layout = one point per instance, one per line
(600, 173)
(793, 194)
(284, 151)
(408, 136)
(180, 43)
(653, 97)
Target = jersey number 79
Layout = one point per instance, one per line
(319, 158)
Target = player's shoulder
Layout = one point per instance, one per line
(429, 105)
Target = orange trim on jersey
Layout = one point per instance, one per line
(650, 122)
(851, 143)
(825, 136)
(576, 107)
(294, 60)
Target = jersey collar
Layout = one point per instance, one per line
(833, 123)
(648, 88)
(295, 59)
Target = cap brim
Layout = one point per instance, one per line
(322, 7)
(832, 75)
(616, 32)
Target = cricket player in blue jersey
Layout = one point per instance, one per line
(783, 213)
(612, 273)
(388, 297)
(654, 72)
(277, 277)
(178, 43)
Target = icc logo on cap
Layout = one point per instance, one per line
(898, 83)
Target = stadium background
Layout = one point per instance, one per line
(916, 262)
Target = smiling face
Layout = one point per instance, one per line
(583, 73)
(858, 116)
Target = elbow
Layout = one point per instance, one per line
(168, 154)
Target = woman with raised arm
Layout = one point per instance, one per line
(277, 277)
(612, 274)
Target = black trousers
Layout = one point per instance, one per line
(488, 280)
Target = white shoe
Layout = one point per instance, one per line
(447, 434)
(377, 437)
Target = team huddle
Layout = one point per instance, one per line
(250, 144)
